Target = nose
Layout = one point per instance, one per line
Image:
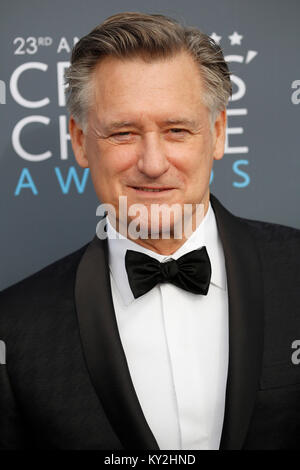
(152, 160)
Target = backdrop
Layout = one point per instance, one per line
(48, 205)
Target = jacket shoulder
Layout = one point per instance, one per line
(279, 248)
(271, 233)
(41, 291)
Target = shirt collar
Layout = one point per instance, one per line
(206, 234)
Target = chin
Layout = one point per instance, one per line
(148, 227)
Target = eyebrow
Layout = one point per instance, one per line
(115, 125)
(181, 122)
(118, 125)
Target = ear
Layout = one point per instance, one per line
(78, 143)
(219, 132)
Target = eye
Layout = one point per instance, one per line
(177, 130)
(122, 136)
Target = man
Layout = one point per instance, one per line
(154, 342)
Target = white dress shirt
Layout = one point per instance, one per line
(176, 344)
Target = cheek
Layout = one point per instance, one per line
(121, 158)
(107, 164)
(194, 163)
(112, 159)
(193, 158)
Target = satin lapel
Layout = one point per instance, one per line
(103, 350)
(245, 292)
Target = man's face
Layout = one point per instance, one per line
(148, 127)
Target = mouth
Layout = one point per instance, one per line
(151, 189)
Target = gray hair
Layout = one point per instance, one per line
(151, 37)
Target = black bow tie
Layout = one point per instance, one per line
(190, 272)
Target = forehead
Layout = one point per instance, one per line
(133, 85)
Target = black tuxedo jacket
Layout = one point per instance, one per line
(66, 382)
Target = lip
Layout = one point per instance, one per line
(164, 191)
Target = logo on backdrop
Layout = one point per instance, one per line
(238, 155)
(68, 176)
